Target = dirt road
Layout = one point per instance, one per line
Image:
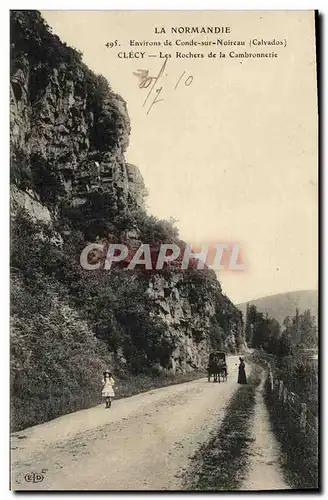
(141, 443)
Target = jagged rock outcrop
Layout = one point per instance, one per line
(189, 318)
(69, 131)
(29, 201)
(187, 326)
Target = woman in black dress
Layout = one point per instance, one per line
(241, 372)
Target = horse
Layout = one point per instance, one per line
(214, 369)
(222, 371)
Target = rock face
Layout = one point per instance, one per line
(68, 129)
(186, 324)
(69, 132)
(190, 322)
(30, 203)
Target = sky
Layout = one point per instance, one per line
(231, 152)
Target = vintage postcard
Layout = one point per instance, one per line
(164, 250)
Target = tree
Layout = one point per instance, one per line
(302, 329)
(308, 330)
(260, 331)
(296, 333)
(285, 345)
(286, 322)
(250, 323)
(274, 336)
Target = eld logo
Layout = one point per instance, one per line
(34, 477)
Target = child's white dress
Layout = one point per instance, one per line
(108, 391)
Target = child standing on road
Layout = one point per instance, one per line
(108, 391)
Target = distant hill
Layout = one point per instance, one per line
(284, 304)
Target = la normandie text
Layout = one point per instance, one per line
(190, 30)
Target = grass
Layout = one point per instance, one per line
(221, 463)
(23, 416)
(299, 458)
(299, 451)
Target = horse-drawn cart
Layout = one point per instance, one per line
(217, 366)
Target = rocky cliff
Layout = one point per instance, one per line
(71, 185)
(190, 315)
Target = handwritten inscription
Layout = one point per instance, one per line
(155, 86)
